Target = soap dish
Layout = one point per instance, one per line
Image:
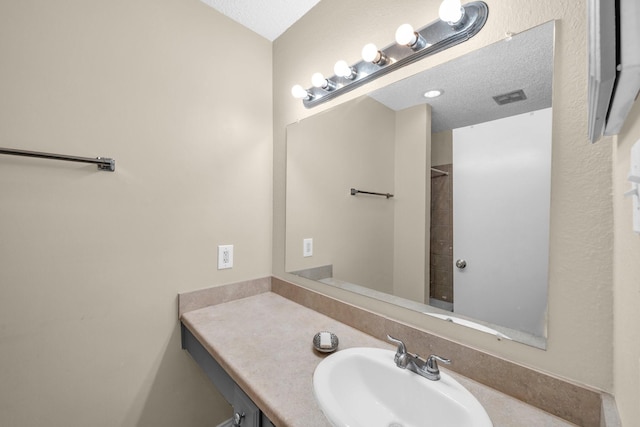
(325, 349)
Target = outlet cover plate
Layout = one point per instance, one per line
(225, 256)
(307, 247)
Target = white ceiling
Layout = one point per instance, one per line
(269, 18)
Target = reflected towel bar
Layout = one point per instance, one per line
(442, 173)
(104, 163)
(354, 192)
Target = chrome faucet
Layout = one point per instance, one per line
(425, 368)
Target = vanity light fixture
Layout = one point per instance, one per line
(457, 24)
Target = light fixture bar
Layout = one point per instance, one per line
(439, 36)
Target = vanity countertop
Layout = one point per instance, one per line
(265, 344)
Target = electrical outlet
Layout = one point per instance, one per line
(307, 247)
(225, 256)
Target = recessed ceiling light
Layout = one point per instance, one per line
(433, 93)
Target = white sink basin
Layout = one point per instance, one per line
(362, 387)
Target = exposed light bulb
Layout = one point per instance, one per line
(318, 80)
(342, 69)
(405, 34)
(451, 11)
(370, 53)
(299, 92)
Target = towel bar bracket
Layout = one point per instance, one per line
(107, 164)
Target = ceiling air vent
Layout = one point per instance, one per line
(508, 98)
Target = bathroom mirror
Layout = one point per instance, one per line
(440, 205)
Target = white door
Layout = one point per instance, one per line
(501, 198)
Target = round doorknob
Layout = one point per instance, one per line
(461, 264)
(237, 419)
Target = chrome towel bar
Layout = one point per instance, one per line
(104, 163)
(354, 192)
(439, 172)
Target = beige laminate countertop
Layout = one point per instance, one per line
(264, 342)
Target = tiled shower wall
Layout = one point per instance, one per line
(441, 247)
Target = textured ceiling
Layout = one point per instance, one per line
(269, 18)
(471, 81)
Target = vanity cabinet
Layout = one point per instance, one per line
(245, 412)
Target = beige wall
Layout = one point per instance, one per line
(368, 240)
(626, 279)
(412, 201)
(350, 147)
(91, 262)
(580, 303)
(442, 148)
(372, 241)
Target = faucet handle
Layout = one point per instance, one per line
(401, 354)
(402, 349)
(431, 366)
